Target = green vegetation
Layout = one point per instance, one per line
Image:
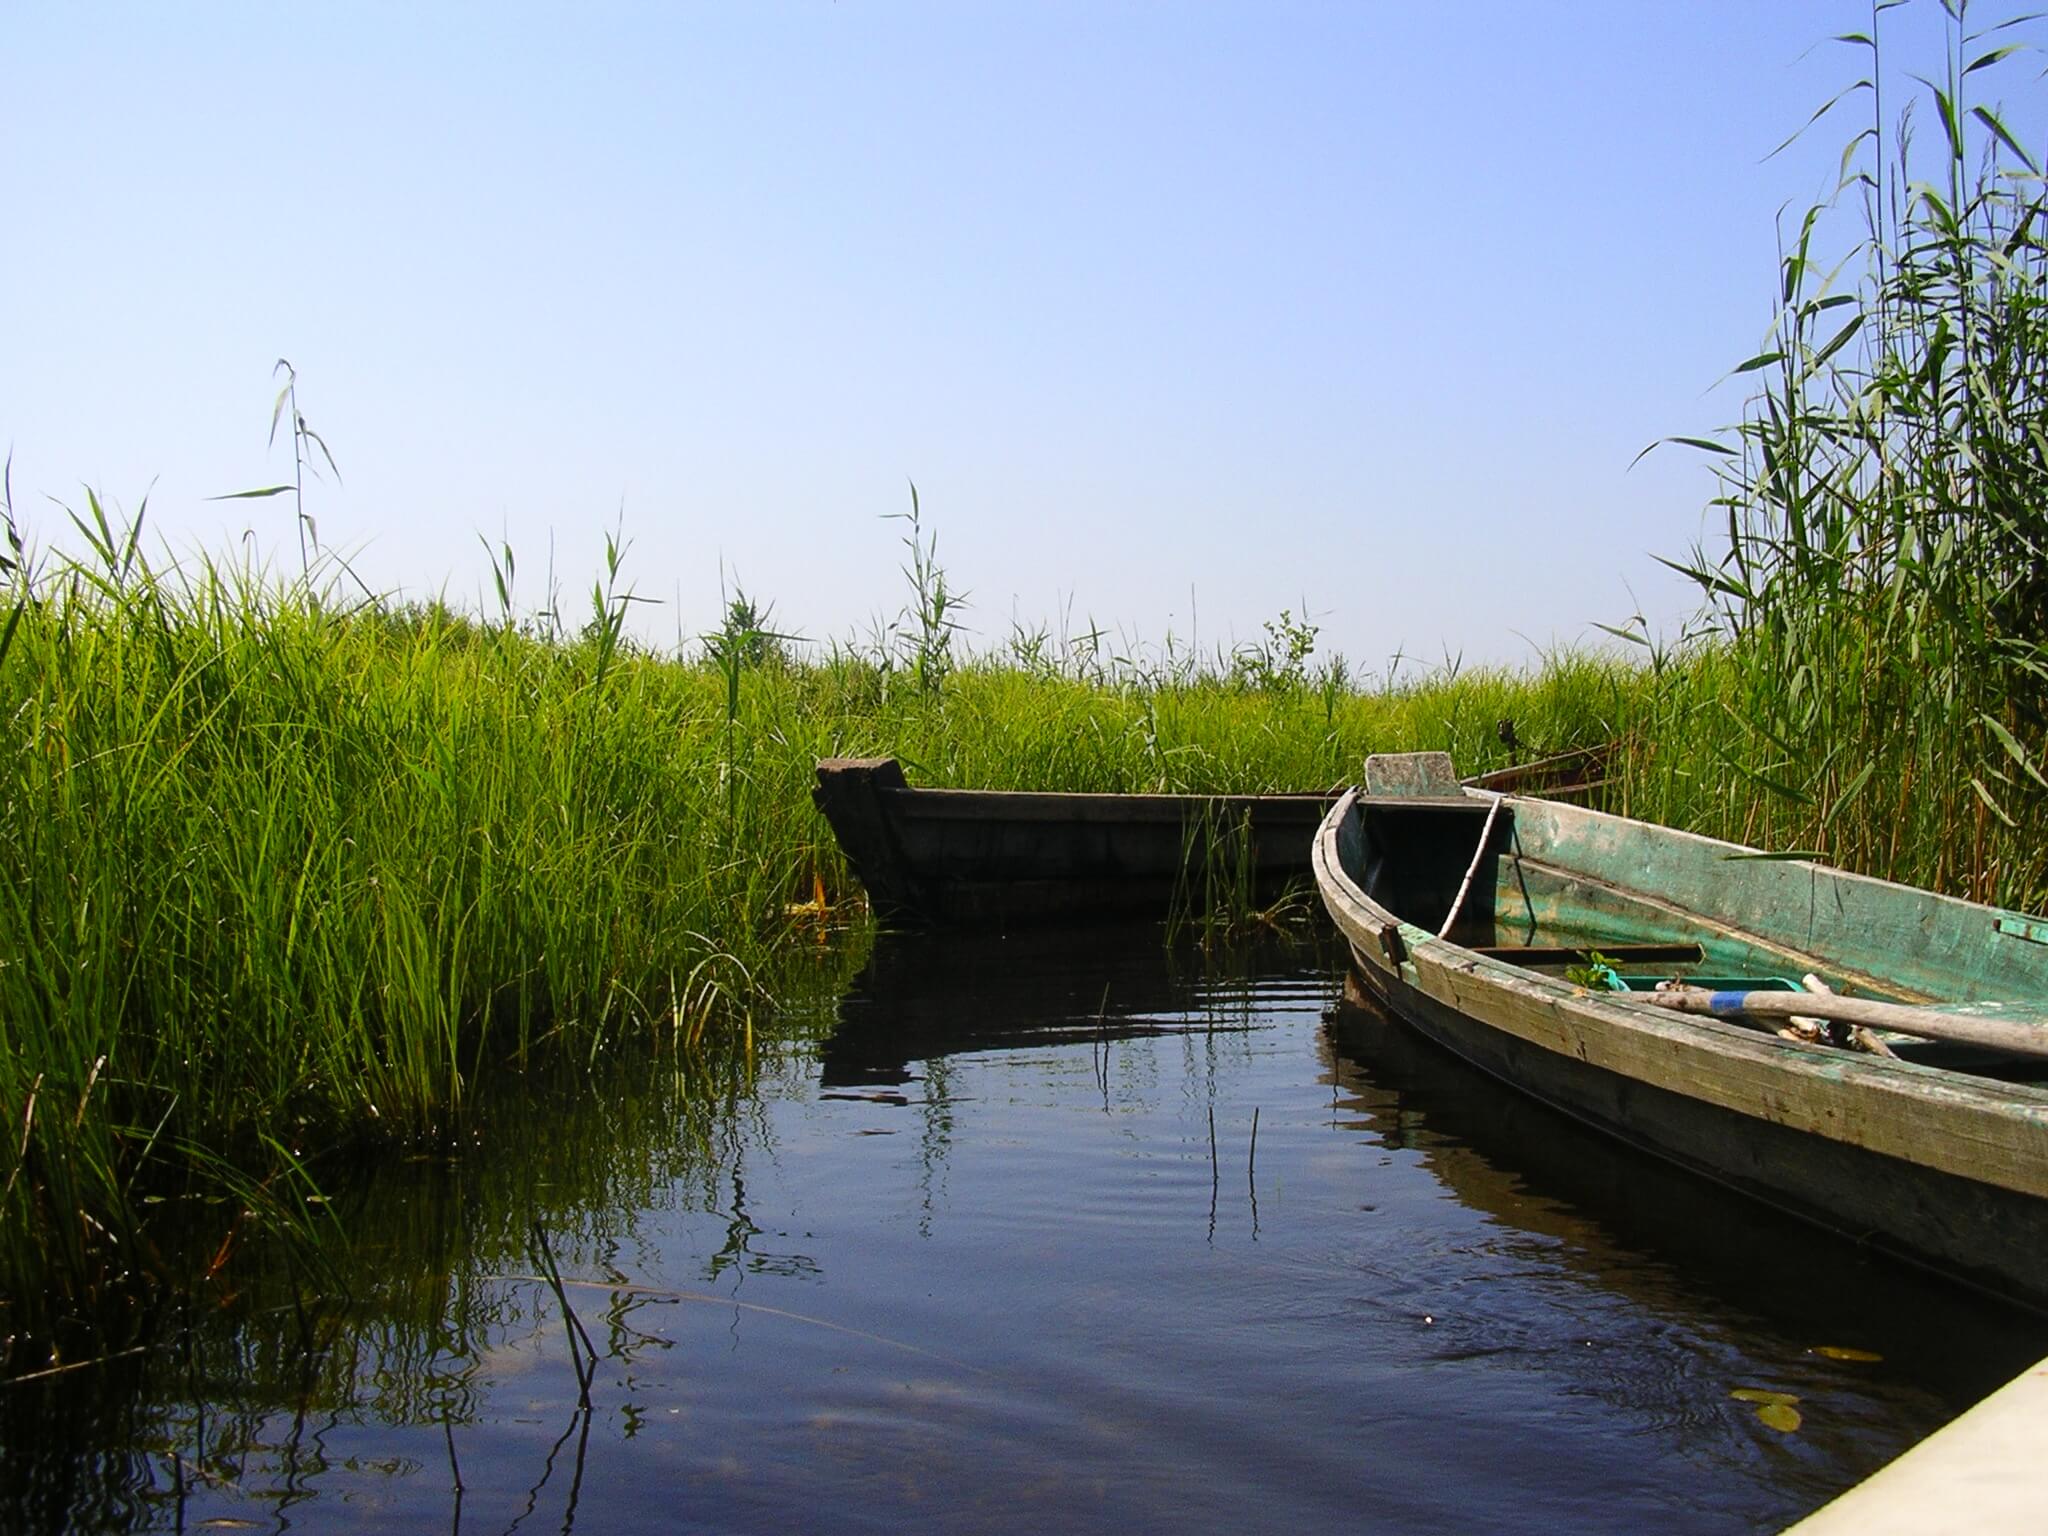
(1875, 682)
(1596, 975)
(283, 877)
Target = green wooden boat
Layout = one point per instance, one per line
(1868, 1056)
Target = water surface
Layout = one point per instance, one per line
(967, 1256)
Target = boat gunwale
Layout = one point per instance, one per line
(1038, 805)
(1810, 1087)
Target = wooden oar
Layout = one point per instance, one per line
(1861, 1036)
(1999, 1034)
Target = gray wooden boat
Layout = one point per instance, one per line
(1473, 917)
(942, 856)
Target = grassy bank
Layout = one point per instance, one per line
(280, 877)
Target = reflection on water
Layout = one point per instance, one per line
(1756, 1288)
(925, 997)
(999, 1251)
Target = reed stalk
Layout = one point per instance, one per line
(1874, 682)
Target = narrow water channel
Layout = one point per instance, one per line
(967, 1256)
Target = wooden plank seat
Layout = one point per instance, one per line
(1575, 954)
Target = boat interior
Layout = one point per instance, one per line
(1463, 869)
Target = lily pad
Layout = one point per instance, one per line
(1782, 1417)
(1774, 1409)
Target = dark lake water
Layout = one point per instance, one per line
(965, 1256)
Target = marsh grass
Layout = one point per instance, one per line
(1876, 683)
(284, 878)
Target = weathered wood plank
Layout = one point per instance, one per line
(1993, 1132)
(2025, 1037)
(1577, 772)
(1569, 954)
(1408, 775)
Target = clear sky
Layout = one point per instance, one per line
(1177, 314)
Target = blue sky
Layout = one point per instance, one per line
(1178, 315)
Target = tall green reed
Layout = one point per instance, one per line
(930, 621)
(280, 876)
(304, 441)
(1882, 586)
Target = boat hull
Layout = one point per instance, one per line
(934, 857)
(1989, 1238)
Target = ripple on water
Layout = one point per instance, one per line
(971, 1264)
